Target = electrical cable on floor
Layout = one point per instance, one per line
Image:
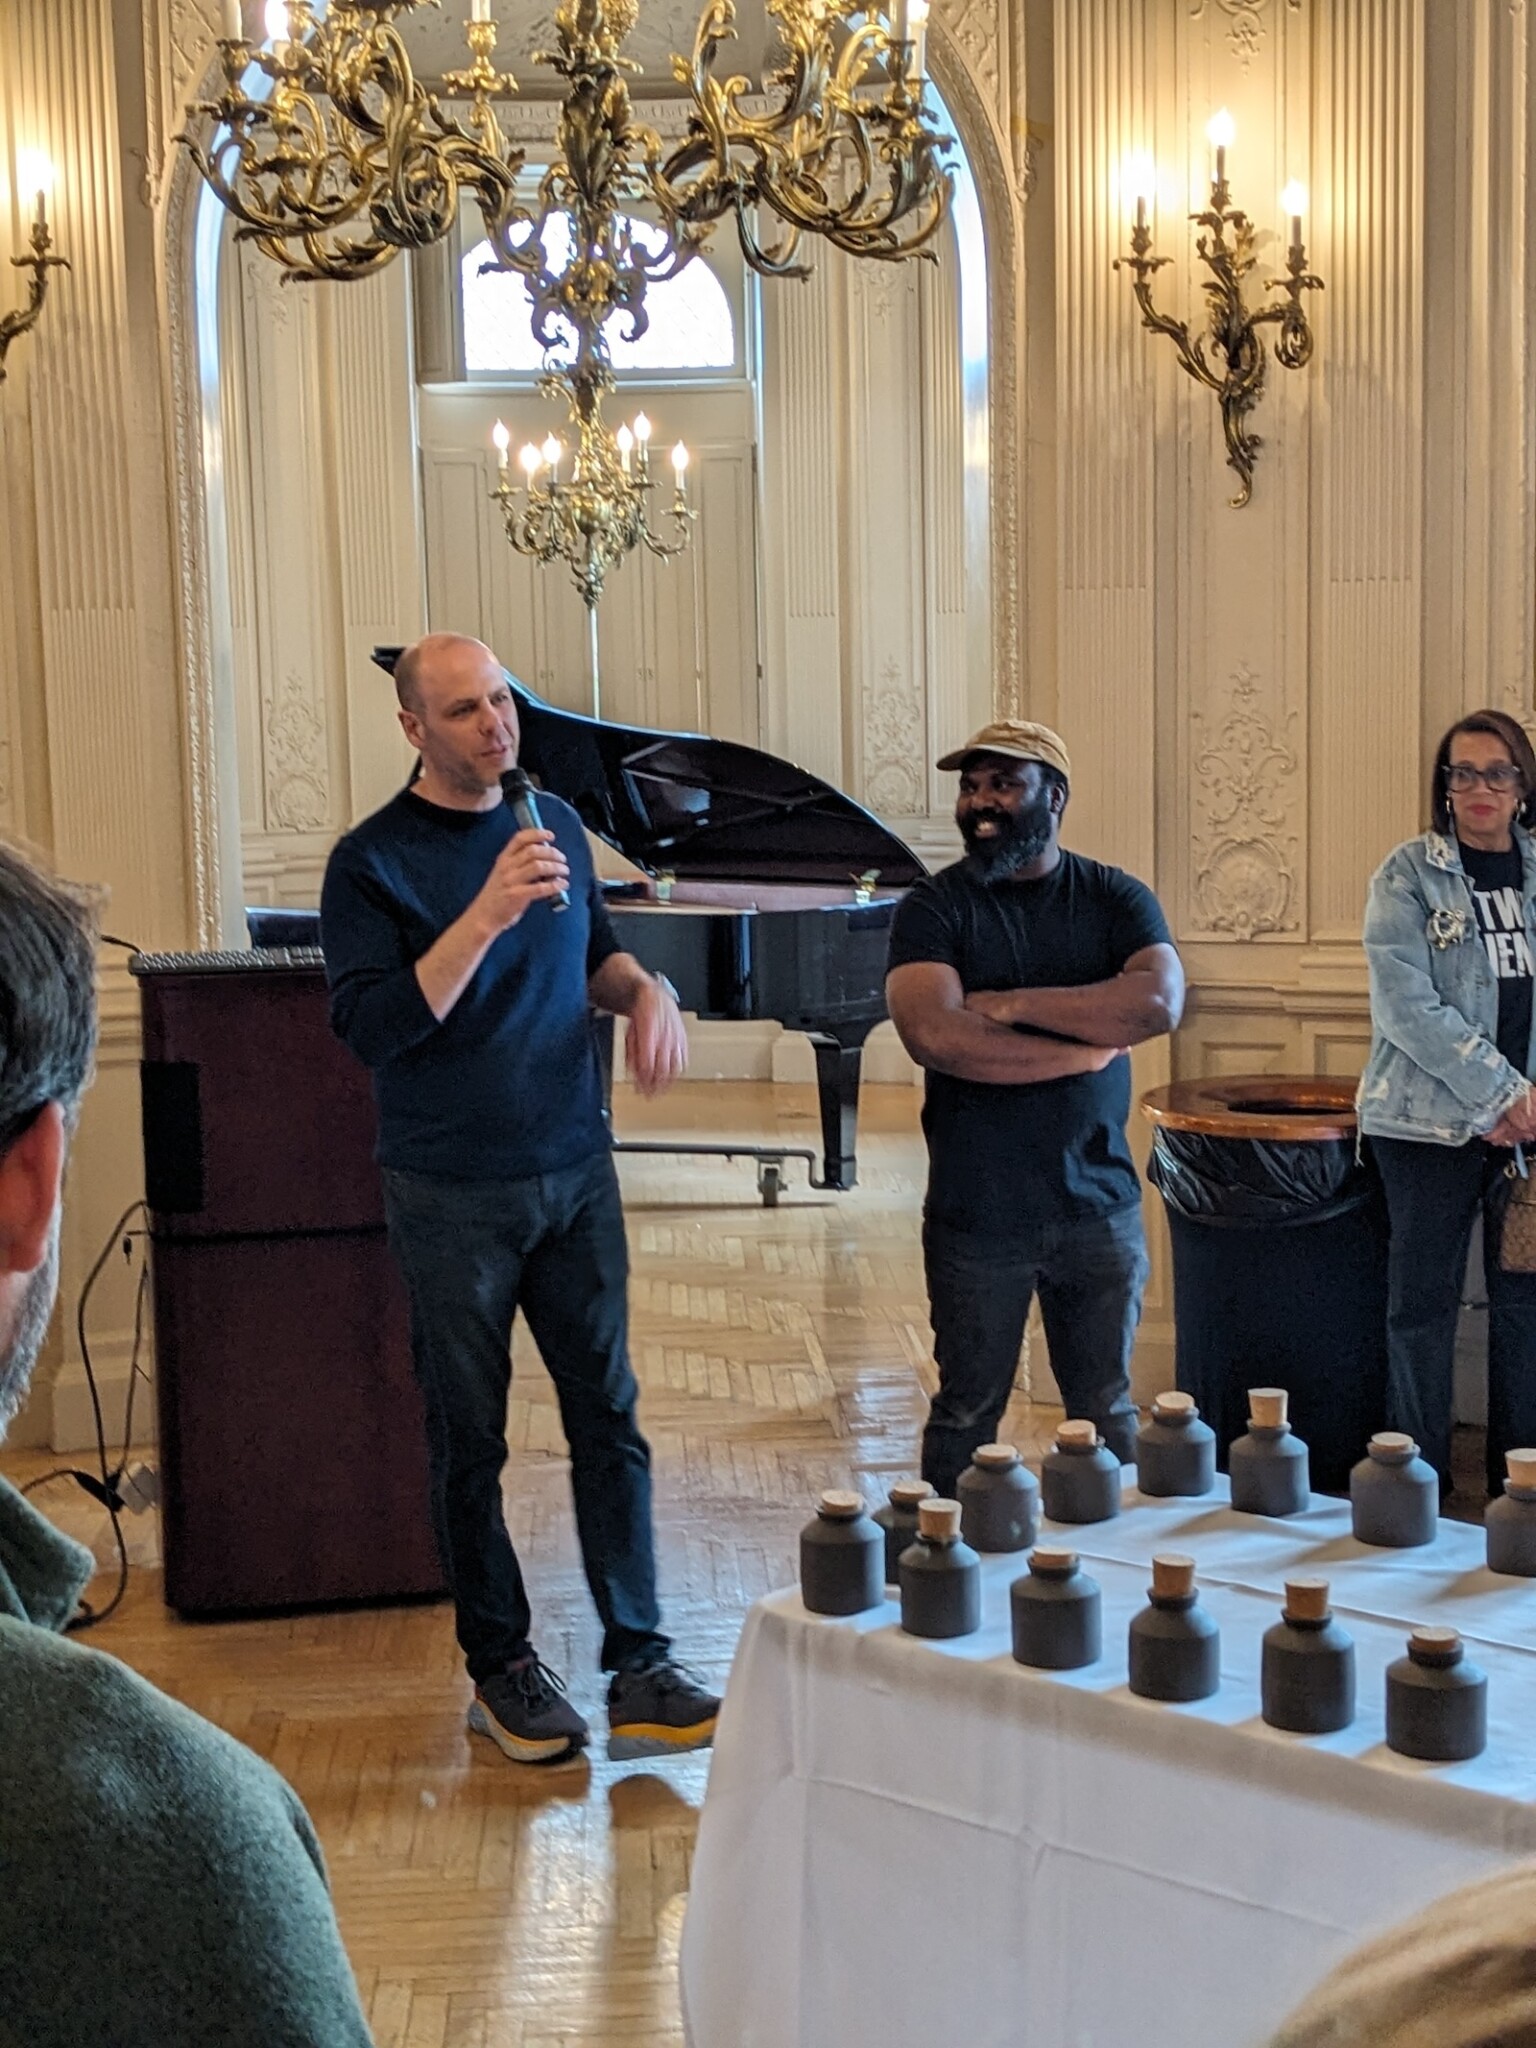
(105, 1488)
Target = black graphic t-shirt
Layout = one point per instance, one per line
(1497, 890)
(1005, 1158)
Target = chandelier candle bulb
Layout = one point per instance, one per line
(842, 1558)
(898, 1518)
(917, 21)
(680, 466)
(234, 27)
(625, 441)
(1269, 1466)
(1394, 1494)
(999, 1500)
(277, 27)
(1056, 1613)
(1174, 1646)
(1437, 1703)
(1175, 1450)
(1308, 1667)
(480, 10)
(940, 1576)
(532, 459)
(1511, 1519)
(1079, 1476)
(503, 440)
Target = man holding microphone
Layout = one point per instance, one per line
(464, 954)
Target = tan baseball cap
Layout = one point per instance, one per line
(1019, 738)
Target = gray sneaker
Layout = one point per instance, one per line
(660, 1710)
(526, 1714)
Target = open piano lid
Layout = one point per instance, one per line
(695, 807)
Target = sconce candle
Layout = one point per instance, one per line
(234, 27)
(480, 10)
(1220, 131)
(1293, 200)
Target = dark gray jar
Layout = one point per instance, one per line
(1175, 1647)
(1269, 1466)
(898, 1518)
(940, 1576)
(1394, 1495)
(999, 1500)
(1175, 1450)
(1079, 1476)
(1511, 1520)
(842, 1558)
(1056, 1614)
(1308, 1667)
(1437, 1703)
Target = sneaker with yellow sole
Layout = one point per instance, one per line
(659, 1710)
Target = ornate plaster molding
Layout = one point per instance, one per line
(1246, 26)
(1244, 795)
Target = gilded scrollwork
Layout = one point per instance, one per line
(1245, 850)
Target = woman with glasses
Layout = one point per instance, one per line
(1450, 927)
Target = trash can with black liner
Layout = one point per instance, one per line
(1279, 1240)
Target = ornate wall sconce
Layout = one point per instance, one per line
(1226, 246)
(32, 172)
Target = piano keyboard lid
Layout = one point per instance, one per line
(699, 808)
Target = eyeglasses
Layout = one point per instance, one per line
(1501, 778)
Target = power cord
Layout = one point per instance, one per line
(105, 1485)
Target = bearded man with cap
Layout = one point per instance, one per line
(1019, 977)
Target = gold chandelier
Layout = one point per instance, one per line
(341, 157)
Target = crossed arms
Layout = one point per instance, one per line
(976, 1038)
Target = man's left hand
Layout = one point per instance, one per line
(656, 1046)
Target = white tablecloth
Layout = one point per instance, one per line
(908, 1841)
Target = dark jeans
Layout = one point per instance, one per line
(473, 1253)
(1434, 1193)
(1089, 1274)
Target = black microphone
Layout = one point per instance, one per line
(517, 791)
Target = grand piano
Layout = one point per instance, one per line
(766, 893)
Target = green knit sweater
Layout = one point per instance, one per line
(160, 1886)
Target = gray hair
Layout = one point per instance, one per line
(47, 993)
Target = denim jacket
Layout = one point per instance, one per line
(1434, 1072)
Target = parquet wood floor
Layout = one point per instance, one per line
(779, 1352)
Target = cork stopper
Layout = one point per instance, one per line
(1435, 1645)
(909, 1493)
(1174, 1407)
(1078, 1436)
(1306, 1599)
(1267, 1407)
(1392, 1447)
(939, 1520)
(1049, 1561)
(837, 1506)
(1173, 1576)
(995, 1457)
(1521, 1466)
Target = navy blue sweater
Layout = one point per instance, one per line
(508, 1083)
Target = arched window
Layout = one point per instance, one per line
(691, 327)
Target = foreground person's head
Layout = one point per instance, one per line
(47, 1041)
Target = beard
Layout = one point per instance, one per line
(1021, 837)
(29, 1326)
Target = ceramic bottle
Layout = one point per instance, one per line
(842, 1557)
(940, 1576)
(1308, 1665)
(1511, 1520)
(1175, 1450)
(999, 1500)
(898, 1519)
(1437, 1703)
(1394, 1495)
(1079, 1476)
(1269, 1466)
(1175, 1646)
(1056, 1617)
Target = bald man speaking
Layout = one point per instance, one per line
(462, 977)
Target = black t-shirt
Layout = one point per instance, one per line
(1006, 1157)
(1498, 891)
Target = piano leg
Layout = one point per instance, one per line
(837, 1083)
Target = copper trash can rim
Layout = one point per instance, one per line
(1272, 1108)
